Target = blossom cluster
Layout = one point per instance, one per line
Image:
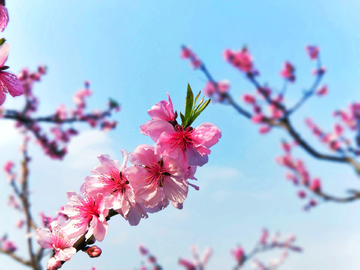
(55, 140)
(299, 175)
(158, 175)
(264, 244)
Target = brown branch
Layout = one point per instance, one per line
(26, 205)
(14, 115)
(15, 257)
(286, 124)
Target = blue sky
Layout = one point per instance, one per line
(130, 51)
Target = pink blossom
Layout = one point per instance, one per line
(187, 264)
(187, 53)
(7, 245)
(189, 145)
(87, 214)
(79, 97)
(301, 194)
(212, 88)
(312, 202)
(264, 236)
(111, 179)
(288, 72)
(264, 129)
(4, 18)
(163, 110)
(152, 259)
(239, 254)
(19, 223)
(8, 165)
(13, 203)
(315, 185)
(322, 91)
(61, 112)
(155, 177)
(312, 51)
(250, 99)
(209, 89)
(58, 240)
(286, 147)
(338, 130)
(241, 59)
(143, 250)
(9, 83)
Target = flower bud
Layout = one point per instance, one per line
(93, 251)
(53, 264)
(143, 250)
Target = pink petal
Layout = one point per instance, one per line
(195, 158)
(157, 127)
(4, 17)
(10, 83)
(175, 190)
(4, 52)
(2, 97)
(44, 238)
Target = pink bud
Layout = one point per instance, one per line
(312, 51)
(187, 264)
(315, 185)
(53, 264)
(8, 166)
(93, 251)
(312, 202)
(257, 118)
(20, 223)
(143, 250)
(286, 147)
(152, 259)
(238, 254)
(301, 194)
(264, 236)
(249, 99)
(264, 129)
(322, 91)
(338, 129)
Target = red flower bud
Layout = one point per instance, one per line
(94, 251)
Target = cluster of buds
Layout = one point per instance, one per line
(266, 244)
(299, 175)
(151, 259)
(196, 263)
(158, 175)
(241, 60)
(7, 245)
(333, 140)
(55, 147)
(187, 53)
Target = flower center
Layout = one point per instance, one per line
(87, 208)
(115, 182)
(182, 138)
(156, 174)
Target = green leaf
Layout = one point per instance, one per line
(189, 102)
(203, 107)
(196, 98)
(197, 113)
(182, 118)
(2, 41)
